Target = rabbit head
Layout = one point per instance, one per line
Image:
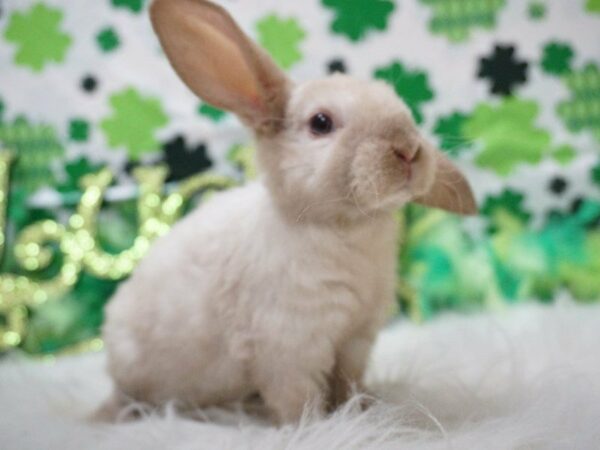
(329, 148)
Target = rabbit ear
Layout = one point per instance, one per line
(219, 62)
(450, 189)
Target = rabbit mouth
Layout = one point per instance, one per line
(407, 170)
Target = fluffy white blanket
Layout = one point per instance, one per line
(525, 379)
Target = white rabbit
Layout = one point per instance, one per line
(277, 288)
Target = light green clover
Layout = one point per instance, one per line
(36, 147)
(134, 122)
(582, 110)
(456, 18)
(508, 135)
(593, 6)
(564, 154)
(281, 38)
(38, 37)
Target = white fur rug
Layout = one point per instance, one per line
(527, 379)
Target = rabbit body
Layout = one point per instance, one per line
(238, 299)
(279, 287)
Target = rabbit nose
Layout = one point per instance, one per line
(406, 155)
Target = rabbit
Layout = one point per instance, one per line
(276, 289)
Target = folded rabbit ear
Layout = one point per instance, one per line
(219, 62)
(450, 189)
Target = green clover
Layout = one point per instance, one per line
(596, 174)
(557, 58)
(214, 114)
(508, 135)
(536, 10)
(108, 39)
(18, 211)
(354, 18)
(74, 171)
(450, 131)
(79, 130)
(456, 18)
(132, 5)
(134, 122)
(36, 146)
(505, 212)
(508, 202)
(593, 6)
(582, 110)
(412, 86)
(281, 38)
(564, 154)
(580, 276)
(38, 37)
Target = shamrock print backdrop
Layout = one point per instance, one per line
(510, 89)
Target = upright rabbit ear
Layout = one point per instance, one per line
(219, 62)
(450, 189)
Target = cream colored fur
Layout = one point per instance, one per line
(277, 288)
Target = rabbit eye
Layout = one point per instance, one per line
(321, 124)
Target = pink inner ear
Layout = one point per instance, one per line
(256, 103)
(217, 61)
(208, 60)
(232, 76)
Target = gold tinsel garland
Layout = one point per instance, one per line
(77, 241)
